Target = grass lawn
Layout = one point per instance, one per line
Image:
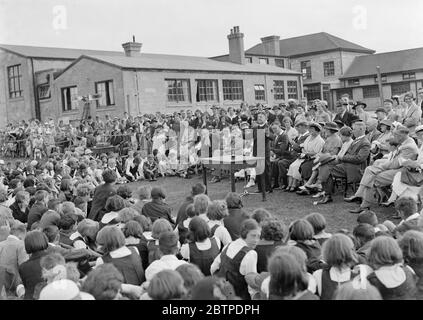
(284, 205)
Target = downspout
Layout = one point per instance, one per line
(138, 93)
(37, 102)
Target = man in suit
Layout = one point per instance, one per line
(343, 115)
(350, 165)
(294, 150)
(268, 136)
(382, 172)
(373, 132)
(412, 113)
(279, 148)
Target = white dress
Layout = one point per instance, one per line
(404, 190)
(312, 145)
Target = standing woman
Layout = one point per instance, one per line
(238, 261)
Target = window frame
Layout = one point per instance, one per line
(408, 76)
(259, 92)
(327, 69)
(110, 99)
(228, 92)
(249, 59)
(73, 104)
(265, 59)
(205, 94)
(289, 85)
(177, 91)
(383, 77)
(16, 79)
(353, 82)
(369, 94)
(283, 62)
(42, 86)
(399, 84)
(308, 74)
(278, 90)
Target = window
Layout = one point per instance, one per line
(306, 69)
(105, 88)
(14, 76)
(280, 63)
(207, 90)
(178, 90)
(263, 61)
(292, 90)
(70, 98)
(249, 59)
(279, 90)
(328, 68)
(382, 77)
(259, 92)
(353, 82)
(233, 90)
(409, 75)
(400, 88)
(44, 91)
(371, 92)
(313, 92)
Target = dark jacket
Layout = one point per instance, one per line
(30, 272)
(233, 222)
(18, 214)
(157, 209)
(281, 145)
(355, 159)
(101, 193)
(35, 213)
(347, 119)
(182, 209)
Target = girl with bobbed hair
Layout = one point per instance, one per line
(134, 237)
(160, 226)
(203, 248)
(191, 275)
(393, 280)
(236, 215)
(85, 236)
(216, 212)
(306, 292)
(104, 282)
(126, 259)
(167, 285)
(66, 190)
(301, 233)
(36, 244)
(411, 245)
(273, 234)
(286, 277)
(340, 258)
(237, 262)
(318, 222)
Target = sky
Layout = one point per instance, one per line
(200, 27)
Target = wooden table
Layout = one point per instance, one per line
(232, 164)
(103, 149)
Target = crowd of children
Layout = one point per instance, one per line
(102, 242)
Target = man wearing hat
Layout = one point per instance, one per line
(279, 149)
(343, 115)
(382, 172)
(349, 163)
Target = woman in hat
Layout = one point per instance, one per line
(311, 147)
(331, 148)
(380, 146)
(403, 186)
(359, 107)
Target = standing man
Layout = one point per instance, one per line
(268, 136)
(343, 115)
(279, 149)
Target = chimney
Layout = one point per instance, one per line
(132, 49)
(271, 45)
(236, 46)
